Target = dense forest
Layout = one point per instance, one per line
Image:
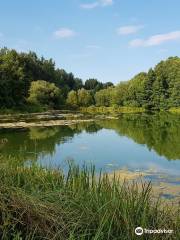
(27, 81)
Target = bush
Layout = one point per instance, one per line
(45, 94)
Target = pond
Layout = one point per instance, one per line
(148, 144)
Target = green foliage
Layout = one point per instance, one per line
(78, 84)
(136, 91)
(129, 93)
(113, 110)
(36, 203)
(174, 110)
(18, 70)
(104, 97)
(13, 81)
(155, 90)
(93, 84)
(72, 99)
(82, 97)
(45, 94)
(85, 97)
(119, 94)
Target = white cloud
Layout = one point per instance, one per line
(160, 38)
(89, 5)
(64, 33)
(106, 2)
(130, 29)
(98, 3)
(156, 39)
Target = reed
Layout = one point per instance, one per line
(37, 203)
(175, 110)
(112, 110)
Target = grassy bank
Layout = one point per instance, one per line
(91, 109)
(104, 110)
(24, 109)
(43, 204)
(174, 110)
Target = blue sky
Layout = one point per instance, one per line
(111, 40)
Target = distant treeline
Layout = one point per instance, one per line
(27, 80)
(21, 76)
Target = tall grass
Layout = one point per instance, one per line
(112, 110)
(175, 110)
(36, 203)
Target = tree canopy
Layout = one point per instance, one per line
(19, 70)
(45, 94)
(159, 88)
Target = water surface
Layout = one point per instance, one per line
(135, 142)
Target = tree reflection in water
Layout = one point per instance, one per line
(160, 132)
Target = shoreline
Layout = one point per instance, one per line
(46, 123)
(63, 117)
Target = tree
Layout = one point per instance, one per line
(168, 76)
(136, 90)
(72, 99)
(13, 82)
(104, 97)
(85, 98)
(108, 84)
(18, 70)
(45, 94)
(93, 84)
(78, 84)
(157, 89)
(148, 88)
(160, 87)
(120, 93)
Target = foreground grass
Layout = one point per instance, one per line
(41, 204)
